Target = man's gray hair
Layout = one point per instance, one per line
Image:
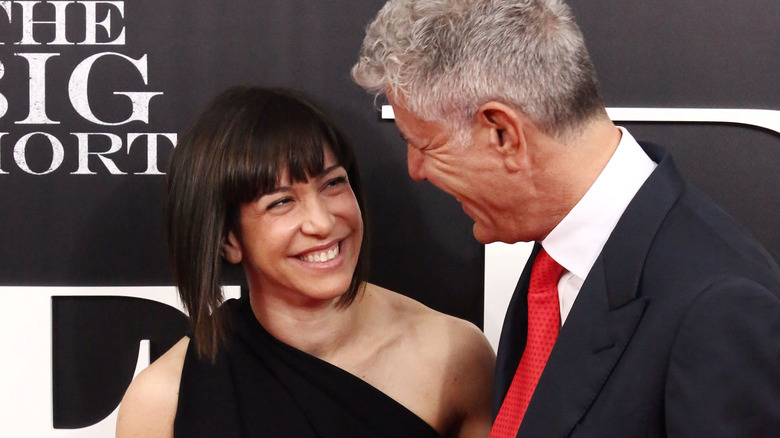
(446, 58)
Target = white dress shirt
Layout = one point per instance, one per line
(577, 240)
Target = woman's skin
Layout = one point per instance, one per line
(299, 246)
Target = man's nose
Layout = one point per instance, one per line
(415, 161)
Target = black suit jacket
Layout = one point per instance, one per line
(675, 332)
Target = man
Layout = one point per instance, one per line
(665, 314)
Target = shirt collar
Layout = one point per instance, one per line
(577, 240)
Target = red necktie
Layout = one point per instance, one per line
(544, 320)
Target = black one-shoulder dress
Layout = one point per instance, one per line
(261, 387)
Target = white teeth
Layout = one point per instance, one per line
(323, 256)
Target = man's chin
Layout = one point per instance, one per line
(483, 234)
(489, 234)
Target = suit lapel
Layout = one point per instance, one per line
(588, 347)
(606, 313)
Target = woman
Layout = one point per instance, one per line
(264, 178)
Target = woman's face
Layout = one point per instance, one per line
(300, 243)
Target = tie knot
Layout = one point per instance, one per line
(545, 273)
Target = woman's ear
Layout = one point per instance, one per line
(231, 248)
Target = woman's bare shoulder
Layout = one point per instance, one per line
(460, 344)
(149, 404)
(447, 332)
(453, 353)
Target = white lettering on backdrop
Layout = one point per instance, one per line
(102, 25)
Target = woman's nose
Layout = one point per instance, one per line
(319, 219)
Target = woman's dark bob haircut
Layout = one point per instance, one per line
(232, 154)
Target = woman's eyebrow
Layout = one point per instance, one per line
(276, 190)
(287, 188)
(328, 170)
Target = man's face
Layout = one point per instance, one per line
(471, 172)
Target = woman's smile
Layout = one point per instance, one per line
(321, 255)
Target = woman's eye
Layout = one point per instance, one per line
(278, 203)
(336, 181)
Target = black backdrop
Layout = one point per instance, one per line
(86, 223)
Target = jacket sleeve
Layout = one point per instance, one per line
(724, 368)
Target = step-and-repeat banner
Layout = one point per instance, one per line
(94, 93)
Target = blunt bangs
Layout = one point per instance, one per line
(279, 134)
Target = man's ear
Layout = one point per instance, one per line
(504, 127)
(231, 248)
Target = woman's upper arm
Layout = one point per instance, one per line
(148, 407)
(473, 382)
